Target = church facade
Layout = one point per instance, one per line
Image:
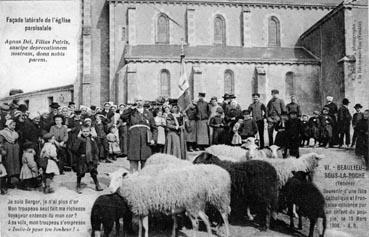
(132, 48)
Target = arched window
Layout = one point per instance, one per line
(219, 30)
(274, 37)
(162, 29)
(290, 84)
(228, 82)
(164, 83)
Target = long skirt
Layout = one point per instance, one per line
(11, 159)
(202, 134)
(123, 138)
(191, 131)
(173, 144)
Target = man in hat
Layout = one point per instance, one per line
(54, 110)
(358, 115)
(258, 111)
(141, 131)
(333, 110)
(202, 115)
(275, 107)
(74, 127)
(226, 101)
(343, 123)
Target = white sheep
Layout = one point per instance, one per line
(273, 151)
(226, 152)
(176, 189)
(284, 167)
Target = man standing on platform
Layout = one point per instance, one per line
(343, 123)
(203, 113)
(141, 131)
(258, 111)
(275, 107)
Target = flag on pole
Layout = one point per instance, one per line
(184, 98)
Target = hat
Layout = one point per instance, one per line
(202, 94)
(226, 96)
(329, 98)
(219, 110)
(275, 91)
(54, 105)
(93, 107)
(214, 98)
(47, 136)
(4, 107)
(23, 108)
(232, 96)
(8, 122)
(78, 111)
(107, 103)
(345, 101)
(358, 106)
(28, 145)
(71, 103)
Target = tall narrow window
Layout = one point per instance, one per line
(165, 83)
(162, 29)
(229, 82)
(290, 84)
(274, 32)
(219, 30)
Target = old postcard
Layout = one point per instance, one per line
(184, 118)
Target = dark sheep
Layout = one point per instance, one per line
(108, 209)
(254, 184)
(308, 199)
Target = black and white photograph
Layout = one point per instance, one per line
(184, 118)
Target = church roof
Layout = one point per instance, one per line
(220, 54)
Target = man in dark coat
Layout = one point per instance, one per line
(355, 119)
(362, 138)
(343, 123)
(141, 131)
(191, 112)
(86, 151)
(333, 110)
(293, 107)
(258, 111)
(293, 134)
(275, 107)
(202, 117)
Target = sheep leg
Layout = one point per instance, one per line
(205, 219)
(312, 225)
(226, 223)
(290, 213)
(251, 217)
(140, 227)
(145, 224)
(175, 225)
(117, 226)
(195, 224)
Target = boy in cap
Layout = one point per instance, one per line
(343, 123)
(358, 115)
(248, 127)
(258, 111)
(275, 108)
(86, 157)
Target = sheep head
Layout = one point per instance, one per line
(116, 179)
(274, 151)
(206, 158)
(251, 150)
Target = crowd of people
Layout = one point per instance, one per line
(35, 148)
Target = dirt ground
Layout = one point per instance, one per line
(65, 190)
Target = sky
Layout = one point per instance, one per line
(17, 72)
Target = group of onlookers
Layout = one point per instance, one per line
(34, 148)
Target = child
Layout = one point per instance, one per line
(29, 170)
(48, 162)
(113, 143)
(293, 131)
(160, 122)
(326, 129)
(236, 139)
(314, 126)
(101, 141)
(3, 173)
(86, 151)
(248, 127)
(305, 130)
(281, 138)
(217, 123)
(355, 119)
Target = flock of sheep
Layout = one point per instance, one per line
(235, 181)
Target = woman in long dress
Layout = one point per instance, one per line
(9, 139)
(175, 142)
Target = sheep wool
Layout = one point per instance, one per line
(162, 158)
(284, 167)
(225, 152)
(188, 187)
